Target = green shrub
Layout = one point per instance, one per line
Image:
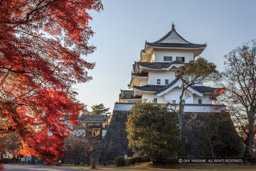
(132, 160)
(147, 118)
(119, 161)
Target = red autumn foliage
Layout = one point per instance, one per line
(222, 91)
(8, 139)
(42, 48)
(219, 91)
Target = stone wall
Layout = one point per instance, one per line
(193, 126)
(115, 142)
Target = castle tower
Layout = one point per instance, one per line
(153, 77)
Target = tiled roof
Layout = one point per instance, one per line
(169, 85)
(180, 43)
(173, 30)
(129, 91)
(190, 45)
(157, 88)
(95, 118)
(150, 87)
(159, 65)
(203, 89)
(160, 88)
(140, 74)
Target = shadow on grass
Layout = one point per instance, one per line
(172, 167)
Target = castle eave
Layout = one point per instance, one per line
(176, 45)
(158, 65)
(149, 88)
(140, 75)
(204, 89)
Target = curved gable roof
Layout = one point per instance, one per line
(173, 39)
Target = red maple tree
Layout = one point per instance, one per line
(42, 48)
(8, 140)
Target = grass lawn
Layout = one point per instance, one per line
(173, 167)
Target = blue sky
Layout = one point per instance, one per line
(123, 26)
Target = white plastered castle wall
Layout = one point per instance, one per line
(205, 99)
(154, 75)
(174, 94)
(159, 55)
(190, 98)
(149, 97)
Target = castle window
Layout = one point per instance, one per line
(167, 58)
(199, 101)
(166, 81)
(158, 81)
(180, 59)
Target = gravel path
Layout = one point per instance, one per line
(35, 167)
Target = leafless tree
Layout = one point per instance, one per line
(239, 81)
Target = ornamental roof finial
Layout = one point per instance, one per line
(173, 26)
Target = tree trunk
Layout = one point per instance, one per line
(180, 99)
(209, 140)
(250, 135)
(181, 110)
(93, 161)
(93, 164)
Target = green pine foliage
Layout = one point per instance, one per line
(196, 70)
(153, 132)
(100, 109)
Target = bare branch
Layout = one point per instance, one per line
(15, 71)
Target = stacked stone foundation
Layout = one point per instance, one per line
(116, 143)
